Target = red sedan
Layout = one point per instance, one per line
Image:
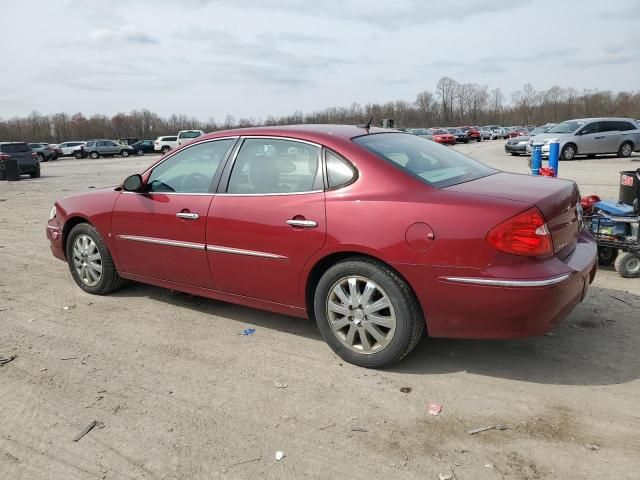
(440, 135)
(473, 132)
(376, 235)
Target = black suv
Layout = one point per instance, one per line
(22, 152)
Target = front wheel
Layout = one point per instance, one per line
(568, 152)
(90, 262)
(124, 153)
(628, 265)
(367, 314)
(515, 154)
(94, 155)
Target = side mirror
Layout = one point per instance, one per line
(133, 183)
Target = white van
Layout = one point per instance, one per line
(185, 136)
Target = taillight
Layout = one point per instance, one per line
(34, 155)
(525, 234)
(4, 156)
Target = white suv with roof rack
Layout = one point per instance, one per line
(185, 136)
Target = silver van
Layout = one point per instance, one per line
(591, 137)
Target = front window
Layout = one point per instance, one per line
(566, 127)
(190, 170)
(432, 163)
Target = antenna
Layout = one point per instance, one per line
(368, 124)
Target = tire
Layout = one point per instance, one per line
(35, 174)
(124, 153)
(94, 155)
(41, 158)
(515, 154)
(165, 149)
(628, 265)
(404, 318)
(568, 152)
(140, 152)
(78, 155)
(109, 280)
(625, 150)
(607, 255)
(479, 139)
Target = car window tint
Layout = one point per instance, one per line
(275, 166)
(339, 172)
(191, 170)
(15, 148)
(625, 126)
(594, 127)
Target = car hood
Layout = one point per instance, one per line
(543, 137)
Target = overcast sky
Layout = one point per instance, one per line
(207, 58)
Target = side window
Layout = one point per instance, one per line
(190, 170)
(275, 166)
(591, 128)
(626, 126)
(609, 126)
(339, 172)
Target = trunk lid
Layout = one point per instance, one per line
(558, 201)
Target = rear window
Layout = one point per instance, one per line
(14, 148)
(189, 134)
(169, 139)
(434, 164)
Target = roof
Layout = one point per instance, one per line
(615, 119)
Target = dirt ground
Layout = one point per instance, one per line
(181, 394)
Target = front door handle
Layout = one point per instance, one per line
(599, 138)
(188, 215)
(302, 223)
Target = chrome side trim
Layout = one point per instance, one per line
(266, 194)
(168, 193)
(160, 241)
(240, 251)
(507, 283)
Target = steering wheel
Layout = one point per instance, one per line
(195, 182)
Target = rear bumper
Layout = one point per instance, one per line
(463, 303)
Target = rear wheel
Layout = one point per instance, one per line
(78, 155)
(607, 255)
(626, 149)
(139, 152)
(165, 149)
(367, 314)
(94, 155)
(90, 262)
(41, 158)
(628, 265)
(35, 174)
(515, 154)
(568, 152)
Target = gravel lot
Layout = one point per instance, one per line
(182, 395)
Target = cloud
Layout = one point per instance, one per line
(124, 34)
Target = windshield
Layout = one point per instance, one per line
(434, 164)
(566, 127)
(538, 130)
(455, 131)
(440, 131)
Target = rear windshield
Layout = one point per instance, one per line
(434, 164)
(169, 139)
(14, 148)
(189, 134)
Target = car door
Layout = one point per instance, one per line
(161, 233)
(609, 137)
(269, 219)
(589, 140)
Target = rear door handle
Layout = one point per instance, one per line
(188, 215)
(302, 223)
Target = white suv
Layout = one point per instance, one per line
(164, 144)
(185, 136)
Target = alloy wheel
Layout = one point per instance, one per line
(87, 260)
(626, 150)
(361, 314)
(569, 152)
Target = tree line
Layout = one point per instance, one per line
(450, 104)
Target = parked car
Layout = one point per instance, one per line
(473, 133)
(164, 144)
(591, 137)
(28, 161)
(264, 217)
(143, 146)
(73, 149)
(128, 140)
(520, 144)
(440, 135)
(503, 132)
(490, 132)
(421, 132)
(460, 136)
(98, 148)
(185, 136)
(530, 127)
(43, 151)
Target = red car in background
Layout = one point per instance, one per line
(474, 133)
(518, 132)
(376, 235)
(442, 136)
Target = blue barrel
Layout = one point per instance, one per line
(536, 161)
(554, 156)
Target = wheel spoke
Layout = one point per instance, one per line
(365, 298)
(339, 291)
(376, 306)
(340, 324)
(375, 333)
(364, 340)
(94, 257)
(91, 275)
(351, 334)
(386, 322)
(353, 292)
(96, 267)
(339, 309)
